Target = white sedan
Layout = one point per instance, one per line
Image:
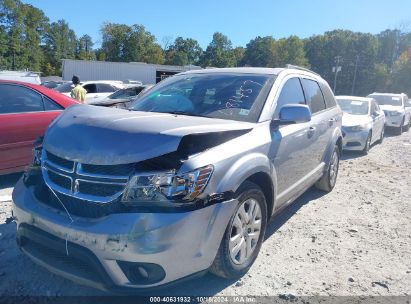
(362, 123)
(96, 90)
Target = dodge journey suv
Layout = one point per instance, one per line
(182, 182)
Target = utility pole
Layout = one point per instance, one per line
(355, 74)
(336, 69)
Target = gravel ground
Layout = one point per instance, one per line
(353, 241)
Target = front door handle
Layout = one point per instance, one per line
(311, 131)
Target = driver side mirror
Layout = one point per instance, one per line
(293, 114)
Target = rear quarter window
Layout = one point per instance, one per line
(313, 95)
(328, 95)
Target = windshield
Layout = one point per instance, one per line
(126, 93)
(354, 107)
(65, 87)
(215, 95)
(391, 100)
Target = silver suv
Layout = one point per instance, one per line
(181, 183)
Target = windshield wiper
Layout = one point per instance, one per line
(185, 113)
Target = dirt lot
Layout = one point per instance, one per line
(353, 241)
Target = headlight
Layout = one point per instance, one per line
(33, 171)
(165, 187)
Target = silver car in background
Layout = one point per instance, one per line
(362, 123)
(397, 109)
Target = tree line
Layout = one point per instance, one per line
(381, 62)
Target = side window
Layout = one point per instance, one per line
(313, 95)
(328, 96)
(373, 108)
(105, 88)
(18, 99)
(50, 105)
(291, 93)
(90, 88)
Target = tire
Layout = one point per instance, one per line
(407, 127)
(367, 144)
(381, 139)
(225, 264)
(398, 131)
(328, 180)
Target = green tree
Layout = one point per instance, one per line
(359, 59)
(259, 52)
(130, 43)
(219, 52)
(24, 25)
(85, 48)
(60, 43)
(288, 51)
(183, 52)
(3, 48)
(238, 54)
(401, 76)
(142, 46)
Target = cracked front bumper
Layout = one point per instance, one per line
(181, 244)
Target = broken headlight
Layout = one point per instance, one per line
(33, 171)
(169, 186)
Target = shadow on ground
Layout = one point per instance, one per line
(9, 180)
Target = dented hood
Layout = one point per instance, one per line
(105, 136)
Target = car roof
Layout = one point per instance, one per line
(102, 81)
(257, 70)
(354, 98)
(387, 94)
(242, 70)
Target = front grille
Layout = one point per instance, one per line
(67, 164)
(73, 205)
(86, 182)
(96, 189)
(60, 180)
(121, 170)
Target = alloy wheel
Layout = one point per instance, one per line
(245, 231)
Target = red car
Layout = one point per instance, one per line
(26, 110)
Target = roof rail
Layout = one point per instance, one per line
(290, 66)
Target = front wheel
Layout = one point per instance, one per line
(328, 180)
(367, 144)
(380, 140)
(398, 131)
(407, 127)
(244, 234)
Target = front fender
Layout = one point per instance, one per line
(245, 167)
(337, 135)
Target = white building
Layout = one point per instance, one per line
(124, 71)
(24, 76)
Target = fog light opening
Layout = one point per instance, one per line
(143, 272)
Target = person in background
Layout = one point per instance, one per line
(78, 92)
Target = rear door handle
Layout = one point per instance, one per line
(331, 121)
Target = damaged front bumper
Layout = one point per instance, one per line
(121, 251)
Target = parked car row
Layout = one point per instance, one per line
(365, 118)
